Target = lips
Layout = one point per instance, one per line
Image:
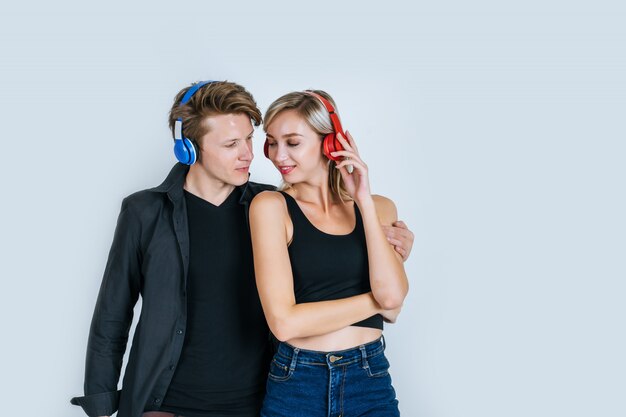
(286, 169)
(243, 169)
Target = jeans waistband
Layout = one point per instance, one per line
(333, 358)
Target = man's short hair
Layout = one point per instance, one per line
(221, 97)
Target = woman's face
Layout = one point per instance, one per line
(295, 149)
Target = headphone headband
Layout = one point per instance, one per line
(193, 90)
(334, 118)
(321, 98)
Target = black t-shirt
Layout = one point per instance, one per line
(223, 366)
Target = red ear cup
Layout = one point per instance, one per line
(332, 144)
(266, 149)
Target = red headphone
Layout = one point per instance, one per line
(330, 143)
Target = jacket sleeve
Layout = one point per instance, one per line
(112, 318)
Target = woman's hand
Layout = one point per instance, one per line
(356, 182)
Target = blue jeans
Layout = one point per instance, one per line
(353, 382)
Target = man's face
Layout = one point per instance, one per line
(226, 151)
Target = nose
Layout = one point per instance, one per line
(281, 152)
(245, 152)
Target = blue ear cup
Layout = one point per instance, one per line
(186, 152)
(184, 148)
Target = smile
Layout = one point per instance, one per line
(286, 169)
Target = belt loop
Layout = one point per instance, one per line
(294, 359)
(364, 357)
(382, 341)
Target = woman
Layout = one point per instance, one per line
(325, 272)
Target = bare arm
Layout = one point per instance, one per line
(286, 319)
(387, 276)
(388, 280)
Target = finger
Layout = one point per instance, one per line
(401, 251)
(406, 234)
(396, 232)
(345, 174)
(351, 139)
(348, 167)
(390, 232)
(354, 163)
(403, 229)
(344, 143)
(395, 242)
(400, 224)
(401, 233)
(348, 155)
(350, 161)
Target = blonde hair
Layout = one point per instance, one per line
(317, 117)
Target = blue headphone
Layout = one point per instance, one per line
(184, 148)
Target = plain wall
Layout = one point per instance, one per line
(496, 127)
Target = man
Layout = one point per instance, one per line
(201, 347)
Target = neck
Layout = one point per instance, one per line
(199, 183)
(315, 192)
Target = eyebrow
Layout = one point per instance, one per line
(288, 135)
(232, 139)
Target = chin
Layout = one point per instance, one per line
(291, 179)
(239, 180)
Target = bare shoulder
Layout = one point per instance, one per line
(268, 202)
(385, 208)
(269, 218)
(267, 199)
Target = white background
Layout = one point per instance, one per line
(496, 127)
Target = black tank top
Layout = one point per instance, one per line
(328, 267)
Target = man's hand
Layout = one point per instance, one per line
(399, 235)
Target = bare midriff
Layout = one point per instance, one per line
(342, 339)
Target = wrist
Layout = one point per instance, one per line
(365, 202)
(368, 210)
